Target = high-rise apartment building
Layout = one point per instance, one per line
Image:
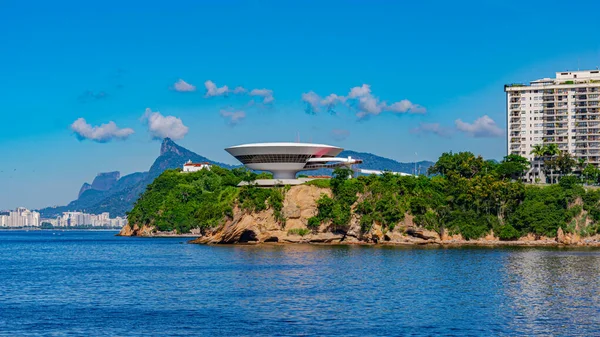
(20, 218)
(562, 110)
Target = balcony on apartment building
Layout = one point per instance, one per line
(515, 126)
(555, 118)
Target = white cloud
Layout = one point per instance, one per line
(434, 128)
(161, 126)
(331, 101)
(267, 95)
(339, 134)
(183, 86)
(369, 105)
(312, 101)
(101, 134)
(364, 90)
(212, 89)
(233, 117)
(405, 106)
(360, 98)
(482, 127)
(240, 90)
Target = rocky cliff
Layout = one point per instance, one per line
(300, 205)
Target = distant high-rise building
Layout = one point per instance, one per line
(75, 219)
(19, 218)
(563, 110)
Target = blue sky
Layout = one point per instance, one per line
(110, 61)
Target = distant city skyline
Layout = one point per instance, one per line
(22, 217)
(90, 87)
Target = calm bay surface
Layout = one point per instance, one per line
(93, 283)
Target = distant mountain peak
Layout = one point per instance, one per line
(84, 188)
(168, 145)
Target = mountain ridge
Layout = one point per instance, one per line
(117, 196)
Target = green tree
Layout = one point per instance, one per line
(538, 151)
(565, 163)
(512, 166)
(550, 151)
(591, 174)
(463, 164)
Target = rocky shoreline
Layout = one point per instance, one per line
(275, 238)
(300, 204)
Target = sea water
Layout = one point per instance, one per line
(92, 283)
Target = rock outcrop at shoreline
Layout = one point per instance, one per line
(300, 204)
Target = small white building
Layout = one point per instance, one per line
(194, 167)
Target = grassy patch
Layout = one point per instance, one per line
(299, 231)
(321, 183)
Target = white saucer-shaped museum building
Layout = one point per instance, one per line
(285, 160)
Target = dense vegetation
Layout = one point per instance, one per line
(181, 202)
(464, 194)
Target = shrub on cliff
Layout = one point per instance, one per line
(507, 232)
(183, 201)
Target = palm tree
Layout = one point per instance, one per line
(581, 163)
(551, 150)
(538, 152)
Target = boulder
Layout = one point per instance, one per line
(422, 233)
